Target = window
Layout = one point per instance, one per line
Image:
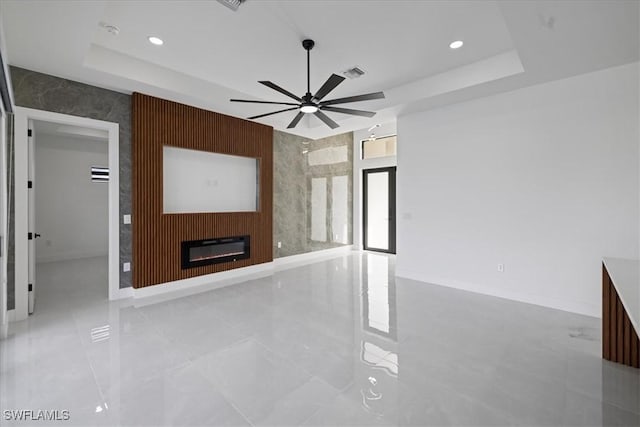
(379, 147)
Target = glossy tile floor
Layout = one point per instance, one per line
(337, 342)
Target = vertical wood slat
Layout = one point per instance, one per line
(157, 236)
(613, 318)
(626, 343)
(606, 295)
(619, 331)
(635, 349)
(620, 341)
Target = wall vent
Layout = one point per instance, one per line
(353, 72)
(232, 4)
(99, 174)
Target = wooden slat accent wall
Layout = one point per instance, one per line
(157, 236)
(620, 341)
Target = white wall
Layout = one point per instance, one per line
(543, 180)
(71, 211)
(360, 164)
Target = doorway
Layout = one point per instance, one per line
(379, 209)
(24, 257)
(68, 214)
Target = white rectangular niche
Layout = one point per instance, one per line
(201, 181)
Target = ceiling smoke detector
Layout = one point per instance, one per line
(111, 29)
(232, 4)
(353, 72)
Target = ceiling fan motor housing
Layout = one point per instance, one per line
(308, 44)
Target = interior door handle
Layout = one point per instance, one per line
(36, 235)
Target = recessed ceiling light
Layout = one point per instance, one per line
(456, 44)
(156, 40)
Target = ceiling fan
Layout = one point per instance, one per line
(313, 104)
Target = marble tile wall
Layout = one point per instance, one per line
(44, 92)
(297, 162)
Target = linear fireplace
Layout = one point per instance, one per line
(196, 253)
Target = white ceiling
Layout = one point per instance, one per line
(212, 54)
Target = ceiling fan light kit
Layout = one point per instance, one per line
(314, 104)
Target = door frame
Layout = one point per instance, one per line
(21, 120)
(392, 208)
(4, 223)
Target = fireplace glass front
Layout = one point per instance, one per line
(196, 253)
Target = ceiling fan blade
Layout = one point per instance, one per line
(365, 97)
(262, 102)
(322, 116)
(275, 112)
(279, 89)
(349, 111)
(295, 120)
(328, 86)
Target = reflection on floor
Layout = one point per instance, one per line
(338, 342)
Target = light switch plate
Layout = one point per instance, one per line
(126, 266)
(127, 219)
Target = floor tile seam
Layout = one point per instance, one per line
(310, 375)
(154, 326)
(221, 350)
(226, 347)
(118, 387)
(313, 414)
(225, 396)
(617, 406)
(288, 359)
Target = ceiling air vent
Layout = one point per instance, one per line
(353, 72)
(232, 4)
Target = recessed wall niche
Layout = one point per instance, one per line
(199, 181)
(160, 126)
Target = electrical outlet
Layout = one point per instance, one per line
(126, 266)
(501, 268)
(279, 245)
(126, 219)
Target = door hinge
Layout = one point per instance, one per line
(30, 287)
(30, 236)
(29, 133)
(29, 184)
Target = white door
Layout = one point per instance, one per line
(32, 216)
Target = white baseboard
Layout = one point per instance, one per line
(577, 307)
(4, 327)
(206, 282)
(179, 288)
(122, 293)
(308, 257)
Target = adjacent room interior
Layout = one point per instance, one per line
(230, 212)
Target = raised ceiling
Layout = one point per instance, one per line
(212, 54)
